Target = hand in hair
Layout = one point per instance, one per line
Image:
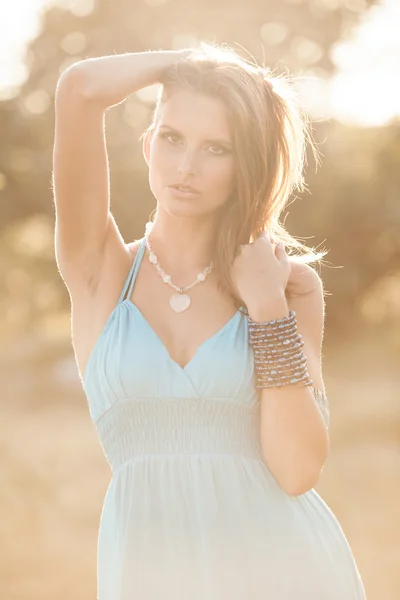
(260, 274)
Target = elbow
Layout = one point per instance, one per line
(302, 482)
(72, 80)
(300, 475)
(297, 488)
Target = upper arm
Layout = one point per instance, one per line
(80, 180)
(309, 306)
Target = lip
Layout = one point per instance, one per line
(185, 188)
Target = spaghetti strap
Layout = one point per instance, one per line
(133, 271)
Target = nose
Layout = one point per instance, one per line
(187, 164)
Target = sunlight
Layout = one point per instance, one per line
(365, 90)
(367, 99)
(19, 23)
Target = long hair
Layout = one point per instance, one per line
(270, 136)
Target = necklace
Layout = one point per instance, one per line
(181, 301)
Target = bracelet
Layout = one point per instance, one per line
(321, 399)
(278, 356)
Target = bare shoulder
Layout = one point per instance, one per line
(133, 247)
(306, 298)
(304, 279)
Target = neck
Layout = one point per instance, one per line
(182, 247)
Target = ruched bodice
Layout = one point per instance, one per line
(164, 426)
(192, 509)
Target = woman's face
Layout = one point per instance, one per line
(191, 145)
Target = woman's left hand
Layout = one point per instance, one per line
(261, 273)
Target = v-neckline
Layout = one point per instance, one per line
(181, 368)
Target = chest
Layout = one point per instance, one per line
(180, 333)
(131, 362)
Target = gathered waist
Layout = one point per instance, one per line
(167, 427)
(193, 458)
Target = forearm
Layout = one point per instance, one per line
(109, 80)
(294, 438)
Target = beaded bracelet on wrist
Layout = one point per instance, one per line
(273, 361)
(278, 357)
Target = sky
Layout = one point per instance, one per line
(365, 90)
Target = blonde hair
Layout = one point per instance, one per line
(270, 136)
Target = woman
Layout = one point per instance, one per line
(199, 344)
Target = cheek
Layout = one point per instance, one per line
(160, 165)
(158, 158)
(221, 175)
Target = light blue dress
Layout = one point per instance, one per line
(192, 511)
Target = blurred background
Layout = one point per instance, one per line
(345, 56)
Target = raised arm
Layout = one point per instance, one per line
(85, 229)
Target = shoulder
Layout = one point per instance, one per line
(305, 295)
(303, 279)
(133, 247)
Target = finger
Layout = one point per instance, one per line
(280, 251)
(265, 235)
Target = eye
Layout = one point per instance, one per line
(220, 148)
(169, 136)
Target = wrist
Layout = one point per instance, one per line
(274, 307)
(184, 52)
(173, 57)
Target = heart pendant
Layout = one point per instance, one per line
(179, 302)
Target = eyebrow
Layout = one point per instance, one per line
(222, 141)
